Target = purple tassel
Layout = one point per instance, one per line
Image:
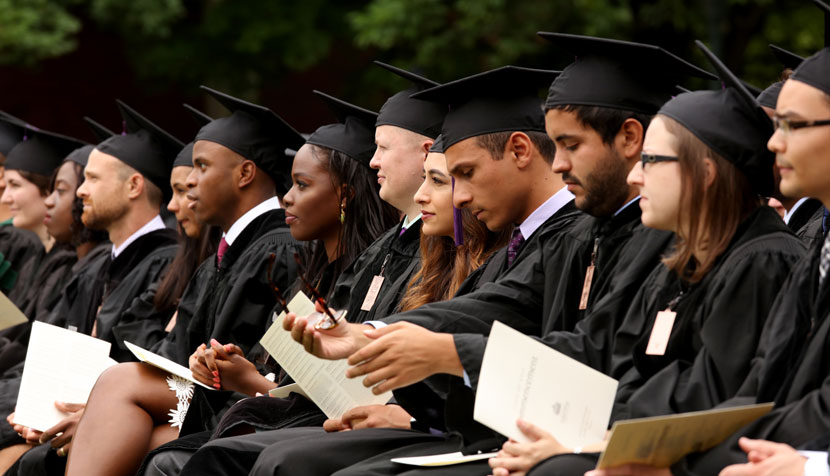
(123, 128)
(457, 224)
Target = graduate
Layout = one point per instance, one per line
(29, 168)
(230, 299)
(17, 245)
(404, 131)
(732, 255)
(791, 365)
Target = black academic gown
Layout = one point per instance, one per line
(141, 264)
(23, 250)
(791, 368)
(717, 327)
(401, 254)
(813, 230)
(804, 214)
(45, 290)
(233, 302)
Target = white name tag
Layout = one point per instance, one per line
(372, 293)
(660, 333)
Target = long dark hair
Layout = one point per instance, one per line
(367, 216)
(191, 253)
(714, 213)
(445, 266)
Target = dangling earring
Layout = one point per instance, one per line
(342, 213)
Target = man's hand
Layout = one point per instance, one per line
(767, 459)
(370, 416)
(62, 433)
(402, 354)
(630, 470)
(517, 458)
(332, 344)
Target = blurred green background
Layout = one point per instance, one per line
(62, 59)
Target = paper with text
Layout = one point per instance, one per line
(285, 390)
(164, 364)
(446, 459)
(61, 365)
(663, 441)
(523, 378)
(324, 381)
(10, 315)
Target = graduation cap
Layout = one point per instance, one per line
(185, 157)
(256, 133)
(815, 71)
(617, 74)
(12, 131)
(788, 59)
(40, 152)
(505, 99)
(437, 147)
(198, 116)
(143, 146)
(100, 131)
(354, 135)
(80, 155)
(730, 122)
(403, 110)
(769, 97)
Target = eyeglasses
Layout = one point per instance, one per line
(325, 320)
(653, 159)
(787, 125)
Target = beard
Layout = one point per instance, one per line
(101, 217)
(605, 188)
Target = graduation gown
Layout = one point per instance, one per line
(23, 250)
(813, 230)
(717, 326)
(402, 254)
(804, 214)
(791, 368)
(46, 287)
(233, 302)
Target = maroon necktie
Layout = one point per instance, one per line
(220, 253)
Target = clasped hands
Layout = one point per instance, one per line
(224, 367)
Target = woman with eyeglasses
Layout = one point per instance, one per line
(693, 329)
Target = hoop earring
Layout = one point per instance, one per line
(342, 214)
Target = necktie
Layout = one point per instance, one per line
(513, 247)
(403, 230)
(824, 261)
(220, 252)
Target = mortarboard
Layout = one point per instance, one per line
(617, 74)
(815, 71)
(12, 131)
(40, 152)
(730, 122)
(402, 110)
(144, 146)
(80, 155)
(354, 135)
(500, 100)
(101, 132)
(185, 157)
(256, 133)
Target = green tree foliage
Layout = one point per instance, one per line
(31, 30)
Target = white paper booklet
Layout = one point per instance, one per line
(523, 378)
(10, 315)
(324, 381)
(163, 363)
(447, 459)
(61, 365)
